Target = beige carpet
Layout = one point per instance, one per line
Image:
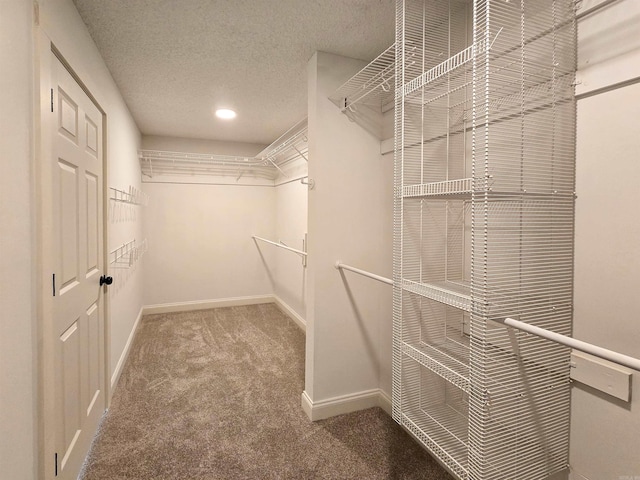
(215, 394)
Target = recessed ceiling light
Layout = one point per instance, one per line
(225, 113)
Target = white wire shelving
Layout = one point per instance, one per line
(483, 211)
(267, 165)
(158, 162)
(131, 196)
(128, 254)
(374, 85)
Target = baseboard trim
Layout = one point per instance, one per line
(206, 304)
(384, 402)
(125, 352)
(291, 313)
(344, 404)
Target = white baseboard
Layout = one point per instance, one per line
(206, 304)
(345, 404)
(125, 352)
(286, 309)
(384, 402)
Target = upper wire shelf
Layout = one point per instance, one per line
(290, 146)
(157, 162)
(373, 85)
(455, 294)
(450, 64)
(267, 164)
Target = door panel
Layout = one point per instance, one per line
(69, 224)
(92, 223)
(78, 262)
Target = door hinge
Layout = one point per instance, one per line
(56, 460)
(54, 284)
(52, 100)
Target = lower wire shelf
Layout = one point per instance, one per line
(436, 413)
(448, 359)
(443, 431)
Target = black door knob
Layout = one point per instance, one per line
(104, 280)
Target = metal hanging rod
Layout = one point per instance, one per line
(589, 348)
(364, 273)
(596, 351)
(299, 252)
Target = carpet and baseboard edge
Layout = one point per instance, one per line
(291, 313)
(125, 352)
(207, 304)
(354, 402)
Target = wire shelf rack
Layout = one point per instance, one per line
(132, 196)
(290, 146)
(457, 188)
(449, 293)
(484, 202)
(268, 164)
(374, 85)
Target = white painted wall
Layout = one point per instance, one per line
(350, 219)
(18, 351)
(61, 22)
(200, 245)
(605, 431)
(290, 283)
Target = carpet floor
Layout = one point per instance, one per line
(215, 394)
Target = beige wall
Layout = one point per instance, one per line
(18, 455)
(348, 318)
(200, 242)
(291, 225)
(604, 430)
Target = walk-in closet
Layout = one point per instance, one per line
(363, 239)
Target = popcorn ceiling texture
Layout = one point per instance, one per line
(174, 61)
(215, 394)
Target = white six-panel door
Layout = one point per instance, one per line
(78, 264)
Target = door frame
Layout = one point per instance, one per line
(45, 53)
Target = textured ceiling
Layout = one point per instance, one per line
(175, 60)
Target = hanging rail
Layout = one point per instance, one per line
(286, 247)
(299, 252)
(600, 352)
(589, 348)
(364, 273)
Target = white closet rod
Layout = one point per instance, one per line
(299, 252)
(600, 352)
(589, 348)
(364, 273)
